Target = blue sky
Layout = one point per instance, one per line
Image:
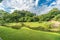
(45, 2)
(35, 6)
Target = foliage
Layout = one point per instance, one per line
(49, 16)
(1, 0)
(57, 18)
(44, 26)
(26, 16)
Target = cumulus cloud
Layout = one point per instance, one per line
(17, 4)
(29, 5)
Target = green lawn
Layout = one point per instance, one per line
(26, 34)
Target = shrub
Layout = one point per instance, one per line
(16, 27)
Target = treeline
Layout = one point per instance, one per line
(17, 16)
(50, 15)
(26, 16)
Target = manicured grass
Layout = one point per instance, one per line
(26, 34)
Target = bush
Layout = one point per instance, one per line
(44, 26)
(16, 27)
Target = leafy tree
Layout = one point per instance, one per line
(1, 0)
(57, 18)
(49, 16)
(26, 16)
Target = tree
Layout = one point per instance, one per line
(1, 0)
(49, 16)
(57, 18)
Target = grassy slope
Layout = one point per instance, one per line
(26, 34)
(31, 24)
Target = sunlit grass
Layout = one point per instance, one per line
(26, 34)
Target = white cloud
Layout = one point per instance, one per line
(29, 5)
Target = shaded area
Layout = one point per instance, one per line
(1, 1)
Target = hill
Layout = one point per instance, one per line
(26, 34)
(24, 25)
